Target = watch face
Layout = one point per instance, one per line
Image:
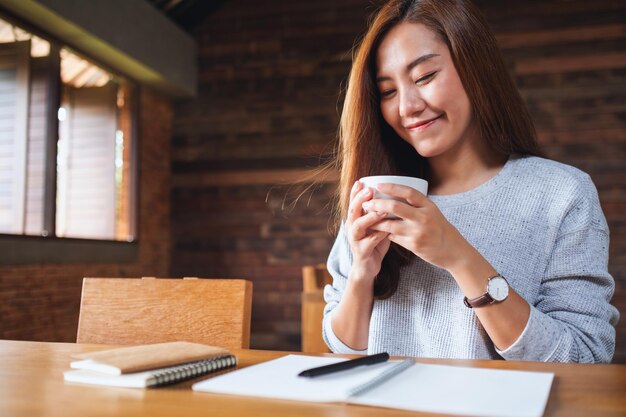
(498, 288)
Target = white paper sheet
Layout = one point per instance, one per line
(279, 379)
(464, 391)
(422, 387)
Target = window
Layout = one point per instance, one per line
(66, 136)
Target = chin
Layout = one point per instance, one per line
(425, 149)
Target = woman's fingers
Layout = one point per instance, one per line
(371, 241)
(405, 208)
(355, 208)
(355, 189)
(412, 196)
(352, 205)
(360, 227)
(393, 227)
(397, 208)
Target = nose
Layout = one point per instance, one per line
(411, 101)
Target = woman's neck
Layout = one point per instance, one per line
(464, 169)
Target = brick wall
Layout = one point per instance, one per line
(267, 109)
(270, 75)
(569, 61)
(41, 302)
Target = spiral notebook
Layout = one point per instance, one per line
(149, 365)
(393, 384)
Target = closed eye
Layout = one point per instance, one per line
(421, 80)
(425, 78)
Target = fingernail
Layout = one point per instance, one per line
(356, 184)
(381, 213)
(367, 205)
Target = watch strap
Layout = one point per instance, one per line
(479, 301)
(484, 299)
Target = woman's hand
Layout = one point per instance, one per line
(424, 230)
(368, 246)
(421, 227)
(351, 318)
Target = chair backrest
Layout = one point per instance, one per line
(314, 278)
(130, 311)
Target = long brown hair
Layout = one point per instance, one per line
(369, 146)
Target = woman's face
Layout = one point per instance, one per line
(421, 95)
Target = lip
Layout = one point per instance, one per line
(419, 126)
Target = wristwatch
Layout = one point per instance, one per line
(497, 291)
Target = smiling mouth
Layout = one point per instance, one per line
(419, 126)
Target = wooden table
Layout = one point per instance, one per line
(31, 384)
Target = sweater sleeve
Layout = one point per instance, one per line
(572, 319)
(338, 265)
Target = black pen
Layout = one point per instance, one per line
(342, 366)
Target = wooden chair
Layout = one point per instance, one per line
(130, 311)
(314, 278)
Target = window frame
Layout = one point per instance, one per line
(19, 249)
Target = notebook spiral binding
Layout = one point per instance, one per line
(190, 370)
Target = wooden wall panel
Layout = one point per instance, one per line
(270, 77)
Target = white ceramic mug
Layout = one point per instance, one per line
(415, 183)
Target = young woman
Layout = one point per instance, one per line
(507, 256)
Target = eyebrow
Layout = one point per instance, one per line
(411, 65)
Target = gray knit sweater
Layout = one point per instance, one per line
(540, 224)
